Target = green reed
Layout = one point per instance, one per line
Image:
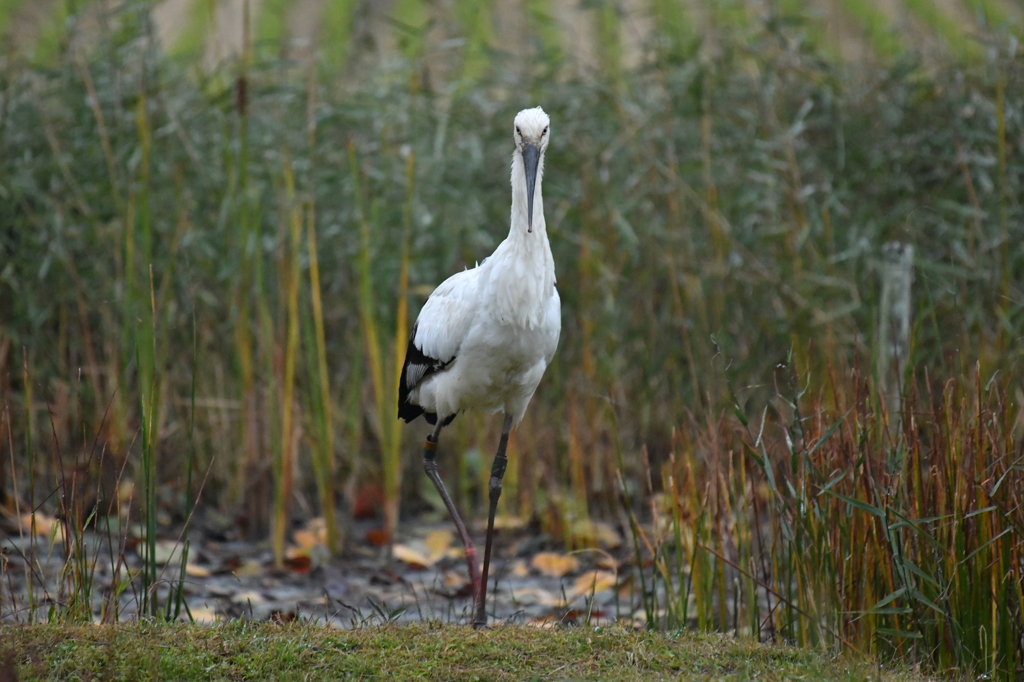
(832, 529)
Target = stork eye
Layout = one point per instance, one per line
(545, 131)
(518, 131)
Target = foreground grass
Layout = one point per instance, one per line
(241, 650)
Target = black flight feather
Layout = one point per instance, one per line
(418, 367)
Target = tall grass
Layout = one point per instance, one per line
(384, 374)
(824, 525)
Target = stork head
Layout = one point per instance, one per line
(531, 133)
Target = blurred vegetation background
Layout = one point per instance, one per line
(218, 219)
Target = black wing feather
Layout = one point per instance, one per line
(417, 363)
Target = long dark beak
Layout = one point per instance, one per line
(531, 158)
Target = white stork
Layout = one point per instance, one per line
(486, 335)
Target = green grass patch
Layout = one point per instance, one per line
(242, 650)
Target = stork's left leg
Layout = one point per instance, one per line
(430, 468)
(497, 473)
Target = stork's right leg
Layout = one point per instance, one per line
(430, 467)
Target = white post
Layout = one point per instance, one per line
(895, 318)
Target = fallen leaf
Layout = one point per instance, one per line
(453, 579)
(595, 533)
(368, 500)
(457, 585)
(410, 556)
(536, 596)
(438, 543)
(593, 581)
(553, 564)
(167, 552)
(46, 526)
(377, 537)
(318, 527)
(519, 569)
(248, 597)
(298, 559)
(508, 523)
(203, 615)
(248, 569)
(126, 490)
(196, 571)
(306, 539)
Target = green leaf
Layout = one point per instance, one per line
(859, 504)
(828, 434)
(910, 566)
(835, 479)
(739, 415)
(906, 634)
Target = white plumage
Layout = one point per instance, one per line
(485, 335)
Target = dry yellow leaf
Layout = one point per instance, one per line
(508, 523)
(203, 615)
(126, 491)
(596, 533)
(438, 543)
(593, 581)
(410, 556)
(553, 564)
(292, 552)
(306, 539)
(196, 571)
(248, 569)
(453, 579)
(248, 597)
(538, 596)
(46, 526)
(318, 526)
